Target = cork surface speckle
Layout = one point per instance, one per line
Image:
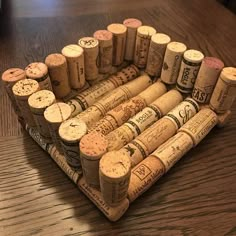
(55, 59)
(132, 23)
(102, 35)
(13, 75)
(41, 99)
(25, 87)
(36, 70)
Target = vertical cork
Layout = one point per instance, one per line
(225, 91)
(156, 54)
(92, 147)
(104, 38)
(114, 174)
(22, 90)
(74, 55)
(9, 78)
(57, 67)
(119, 40)
(39, 72)
(143, 38)
(206, 79)
(188, 71)
(132, 25)
(38, 102)
(172, 61)
(90, 46)
(71, 131)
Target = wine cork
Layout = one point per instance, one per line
(200, 125)
(223, 119)
(88, 97)
(92, 147)
(71, 131)
(91, 50)
(57, 67)
(143, 176)
(22, 90)
(119, 40)
(156, 54)
(225, 91)
(114, 174)
(55, 115)
(206, 80)
(104, 38)
(143, 38)
(74, 55)
(112, 213)
(173, 149)
(132, 25)
(39, 72)
(188, 71)
(172, 61)
(9, 78)
(38, 102)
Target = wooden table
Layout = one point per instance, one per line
(197, 197)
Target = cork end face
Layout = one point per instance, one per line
(54, 60)
(88, 42)
(13, 75)
(25, 87)
(132, 23)
(194, 56)
(146, 30)
(72, 51)
(177, 47)
(213, 62)
(117, 28)
(229, 74)
(102, 35)
(160, 38)
(36, 70)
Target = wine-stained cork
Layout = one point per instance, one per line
(39, 72)
(22, 90)
(188, 71)
(9, 78)
(104, 38)
(143, 38)
(172, 61)
(75, 60)
(91, 50)
(92, 147)
(119, 39)
(71, 131)
(156, 54)
(206, 79)
(200, 125)
(223, 119)
(143, 176)
(173, 149)
(38, 102)
(132, 25)
(112, 213)
(88, 97)
(57, 67)
(55, 115)
(114, 174)
(225, 91)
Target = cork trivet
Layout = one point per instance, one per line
(156, 54)
(173, 149)
(200, 125)
(143, 176)
(206, 79)
(9, 78)
(71, 131)
(172, 61)
(114, 174)
(188, 71)
(119, 40)
(112, 213)
(39, 72)
(57, 67)
(225, 91)
(55, 115)
(104, 38)
(132, 25)
(38, 102)
(91, 50)
(92, 147)
(143, 38)
(223, 119)
(22, 90)
(75, 60)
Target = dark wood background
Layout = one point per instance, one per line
(197, 196)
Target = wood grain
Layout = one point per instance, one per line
(197, 197)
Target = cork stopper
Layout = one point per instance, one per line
(117, 28)
(102, 35)
(36, 70)
(13, 75)
(146, 31)
(228, 74)
(55, 60)
(72, 130)
(194, 56)
(176, 47)
(213, 62)
(72, 51)
(24, 88)
(88, 42)
(57, 112)
(160, 38)
(132, 23)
